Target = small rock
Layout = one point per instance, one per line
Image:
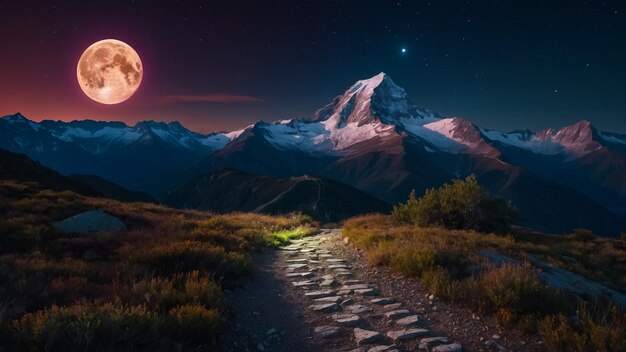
(271, 331)
(429, 341)
(304, 283)
(329, 299)
(346, 302)
(319, 294)
(402, 335)
(390, 307)
(382, 301)
(454, 347)
(346, 240)
(358, 308)
(299, 260)
(347, 319)
(383, 348)
(328, 331)
(431, 297)
(365, 337)
(260, 346)
(411, 320)
(368, 292)
(495, 337)
(330, 307)
(332, 260)
(395, 314)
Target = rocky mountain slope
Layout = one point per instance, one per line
(229, 190)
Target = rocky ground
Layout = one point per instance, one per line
(319, 294)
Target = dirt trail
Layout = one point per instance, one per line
(318, 294)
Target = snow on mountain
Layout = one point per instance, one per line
(465, 133)
(99, 136)
(574, 141)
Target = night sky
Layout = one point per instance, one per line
(220, 65)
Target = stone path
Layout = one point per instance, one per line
(348, 312)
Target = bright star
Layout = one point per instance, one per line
(403, 50)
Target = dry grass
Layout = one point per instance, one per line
(452, 265)
(156, 286)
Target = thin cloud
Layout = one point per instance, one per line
(210, 98)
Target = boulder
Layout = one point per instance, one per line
(92, 221)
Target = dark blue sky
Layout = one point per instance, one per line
(501, 64)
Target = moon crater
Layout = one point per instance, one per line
(109, 71)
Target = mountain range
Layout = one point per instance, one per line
(372, 138)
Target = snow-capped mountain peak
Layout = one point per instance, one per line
(374, 100)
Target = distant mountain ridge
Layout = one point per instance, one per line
(226, 190)
(373, 138)
(20, 168)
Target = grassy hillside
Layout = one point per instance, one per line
(493, 274)
(156, 286)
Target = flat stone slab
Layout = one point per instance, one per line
(297, 266)
(305, 275)
(304, 283)
(453, 347)
(328, 282)
(319, 294)
(347, 319)
(329, 299)
(354, 287)
(382, 300)
(339, 266)
(395, 314)
(299, 260)
(328, 332)
(366, 337)
(383, 348)
(358, 308)
(411, 320)
(328, 307)
(333, 260)
(430, 341)
(390, 307)
(403, 335)
(344, 274)
(325, 255)
(368, 292)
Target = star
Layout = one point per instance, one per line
(403, 50)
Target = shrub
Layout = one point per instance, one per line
(189, 256)
(162, 294)
(193, 322)
(514, 292)
(463, 204)
(88, 327)
(596, 327)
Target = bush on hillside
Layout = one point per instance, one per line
(461, 205)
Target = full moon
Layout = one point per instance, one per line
(109, 71)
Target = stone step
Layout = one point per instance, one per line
(411, 320)
(409, 334)
(453, 347)
(396, 314)
(390, 307)
(382, 300)
(426, 343)
(328, 332)
(327, 307)
(319, 294)
(329, 299)
(366, 337)
(358, 308)
(347, 319)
